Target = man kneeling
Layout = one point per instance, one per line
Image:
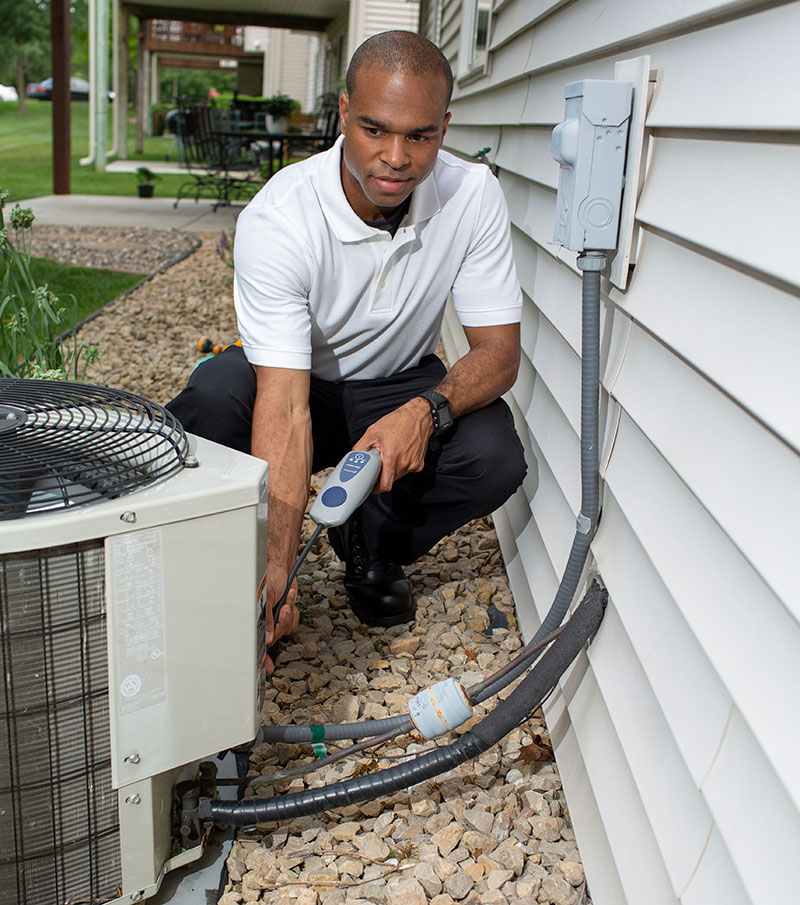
(344, 263)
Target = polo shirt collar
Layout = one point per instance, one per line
(343, 220)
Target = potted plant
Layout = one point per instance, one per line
(278, 107)
(146, 180)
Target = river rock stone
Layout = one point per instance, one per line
(557, 891)
(372, 847)
(511, 857)
(406, 891)
(448, 838)
(458, 884)
(430, 881)
(546, 829)
(573, 872)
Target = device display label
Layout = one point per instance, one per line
(355, 462)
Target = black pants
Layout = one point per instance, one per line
(479, 464)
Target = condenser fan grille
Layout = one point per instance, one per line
(67, 444)
(59, 817)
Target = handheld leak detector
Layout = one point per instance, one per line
(348, 485)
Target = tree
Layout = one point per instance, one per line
(24, 42)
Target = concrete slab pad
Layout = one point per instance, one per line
(127, 211)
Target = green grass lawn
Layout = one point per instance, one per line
(26, 165)
(92, 288)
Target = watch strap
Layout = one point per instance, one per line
(440, 411)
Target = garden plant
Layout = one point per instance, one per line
(34, 339)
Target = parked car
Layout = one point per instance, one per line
(7, 93)
(78, 90)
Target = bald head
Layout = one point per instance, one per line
(400, 51)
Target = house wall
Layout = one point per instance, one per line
(363, 19)
(374, 16)
(287, 59)
(677, 732)
(286, 66)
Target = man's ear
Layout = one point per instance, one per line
(344, 111)
(444, 127)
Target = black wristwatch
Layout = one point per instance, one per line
(440, 412)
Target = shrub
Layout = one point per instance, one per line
(279, 105)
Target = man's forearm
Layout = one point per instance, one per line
(487, 371)
(282, 436)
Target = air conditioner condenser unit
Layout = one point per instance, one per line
(129, 637)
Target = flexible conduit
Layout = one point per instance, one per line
(520, 704)
(591, 264)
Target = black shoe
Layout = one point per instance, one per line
(379, 592)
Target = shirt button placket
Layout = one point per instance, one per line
(379, 302)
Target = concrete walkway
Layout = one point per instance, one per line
(157, 166)
(126, 211)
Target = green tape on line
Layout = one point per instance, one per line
(317, 733)
(319, 750)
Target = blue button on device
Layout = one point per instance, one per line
(334, 496)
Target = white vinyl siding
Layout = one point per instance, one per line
(370, 17)
(384, 15)
(678, 731)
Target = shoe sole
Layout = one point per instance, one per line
(383, 621)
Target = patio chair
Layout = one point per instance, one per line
(222, 164)
(324, 136)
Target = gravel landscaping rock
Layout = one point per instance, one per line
(492, 831)
(134, 250)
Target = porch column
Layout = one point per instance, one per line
(59, 33)
(121, 100)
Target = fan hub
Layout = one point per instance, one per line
(11, 418)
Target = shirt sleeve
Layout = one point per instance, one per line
(272, 281)
(486, 291)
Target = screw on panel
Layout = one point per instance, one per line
(136, 798)
(129, 517)
(133, 758)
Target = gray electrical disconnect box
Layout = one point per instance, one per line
(590, 149)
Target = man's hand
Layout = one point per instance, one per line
(401, 437)
(289, 617)
(480, 377)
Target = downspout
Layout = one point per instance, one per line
(115, 74)
(100, 107)
(89, 160)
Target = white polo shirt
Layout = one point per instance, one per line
(317, 288)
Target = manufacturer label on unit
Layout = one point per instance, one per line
(138, 601)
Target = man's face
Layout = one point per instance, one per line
(393, 126)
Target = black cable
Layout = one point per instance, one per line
(295, 568)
